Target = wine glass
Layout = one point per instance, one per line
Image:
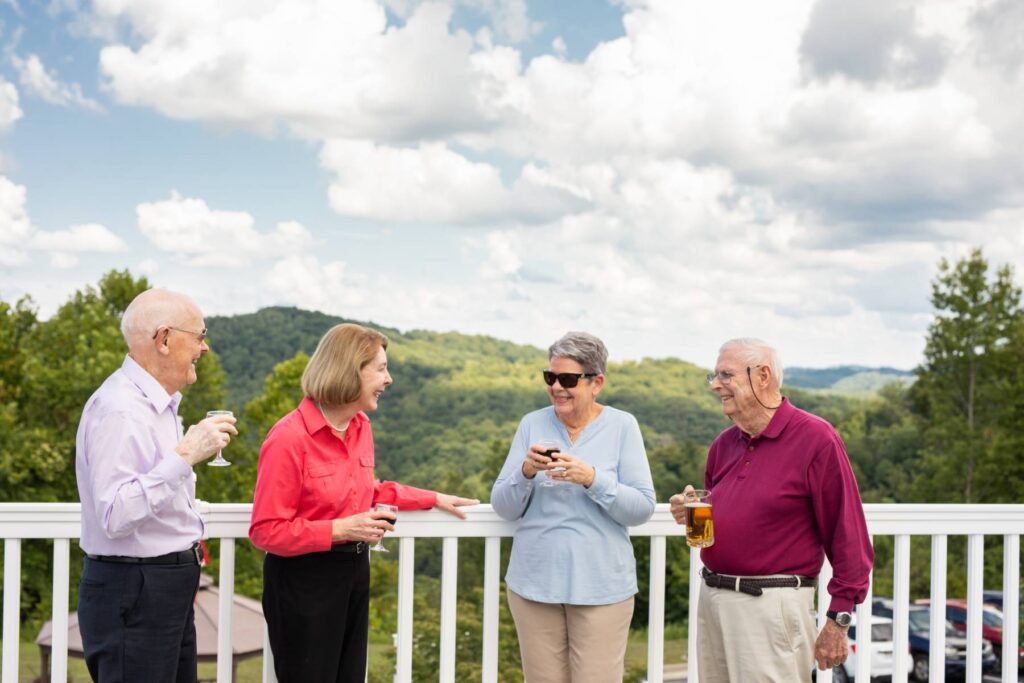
(219, 461)
(384, 507)
(550, 448)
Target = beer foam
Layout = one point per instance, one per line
(697, 504)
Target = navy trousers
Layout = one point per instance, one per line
(137, 621)
(317, 608)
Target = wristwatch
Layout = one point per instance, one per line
(842, 619)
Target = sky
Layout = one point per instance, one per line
(665, 174)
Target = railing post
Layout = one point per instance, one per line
(901, 606)
(226, 589)
(12, 608)
(975, 576)
(61, 577)
(824, 576)
(269, 675)
(937, 626)
(692, 673)
(863, 654)
(403, 658)
(449, 589)
(1011, 604)
(492, 588)
(656, 613)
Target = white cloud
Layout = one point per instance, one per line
(10, 111)
(89, 237)
(190, 231)
(303, 281)
(15, 227)
(433, 184)
(322, 68)
(63, 260)
(46, 86)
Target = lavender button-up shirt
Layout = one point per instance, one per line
(138, 494)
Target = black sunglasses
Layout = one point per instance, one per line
(567, 379)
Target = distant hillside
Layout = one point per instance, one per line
(846, 379)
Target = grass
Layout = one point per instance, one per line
(251, 670)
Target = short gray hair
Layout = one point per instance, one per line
(584, 348)
(150, 310)
(754, 351)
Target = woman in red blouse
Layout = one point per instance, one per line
(312, 511)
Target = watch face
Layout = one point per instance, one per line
(844, 618)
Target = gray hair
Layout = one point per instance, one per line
(584, 348)
(152, 309)
(753, 351)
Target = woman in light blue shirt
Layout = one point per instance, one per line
(575, 477)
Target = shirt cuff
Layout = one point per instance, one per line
(173, 470)
(519, 479)
(604, 483)
(322, 531)
(841, 605)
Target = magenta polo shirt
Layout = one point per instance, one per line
(785, 499)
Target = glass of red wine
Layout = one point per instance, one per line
(551, 449)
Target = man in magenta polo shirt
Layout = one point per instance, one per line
(784, 497)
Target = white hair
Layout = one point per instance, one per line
(151, 310)
(753, 351)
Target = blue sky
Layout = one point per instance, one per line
(663, 173)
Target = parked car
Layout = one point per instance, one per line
(919, 637)
(881, 652)
(991, 625)
(995, 598)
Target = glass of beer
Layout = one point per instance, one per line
(700, 530)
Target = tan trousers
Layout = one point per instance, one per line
(571, 643)
(755, 639)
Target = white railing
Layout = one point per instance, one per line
(227, 522)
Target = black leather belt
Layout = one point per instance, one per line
(193, 555)
(357, 547)
(753, 586)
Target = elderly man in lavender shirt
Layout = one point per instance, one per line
(140, 528)
(784, 498)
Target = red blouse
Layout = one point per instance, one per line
(309, 476)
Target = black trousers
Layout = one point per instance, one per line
(317, 609)
(137, 621)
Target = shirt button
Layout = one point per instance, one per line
(748, 462)
(750, 448)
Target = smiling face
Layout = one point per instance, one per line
(183, 347)
(737, 396)
(575, 404)
(374, 379)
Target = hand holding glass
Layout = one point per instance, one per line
(551, 449)
(700, 529)
(219, 461)
(384, 507)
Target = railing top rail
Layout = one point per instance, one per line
(231, 520)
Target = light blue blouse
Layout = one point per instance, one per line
(572, 544)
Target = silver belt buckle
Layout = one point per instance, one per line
(197, 552)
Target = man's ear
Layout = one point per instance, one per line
(162, 342)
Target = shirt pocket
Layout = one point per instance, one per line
(366, 459)
(323, 479)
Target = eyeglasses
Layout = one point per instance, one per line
(722, 376)
(725, 377)
(200, 335)
(567, 379)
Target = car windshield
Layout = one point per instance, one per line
(920, 621)
(992, 618)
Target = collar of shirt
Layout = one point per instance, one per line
(783, 414)
(149, 386)
(314, 421)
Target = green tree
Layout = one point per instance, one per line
(963, 382)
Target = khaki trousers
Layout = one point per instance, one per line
(571, 643)
(755, 639)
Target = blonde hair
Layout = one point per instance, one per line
(332, 375)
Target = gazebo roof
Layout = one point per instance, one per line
(246, 626)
